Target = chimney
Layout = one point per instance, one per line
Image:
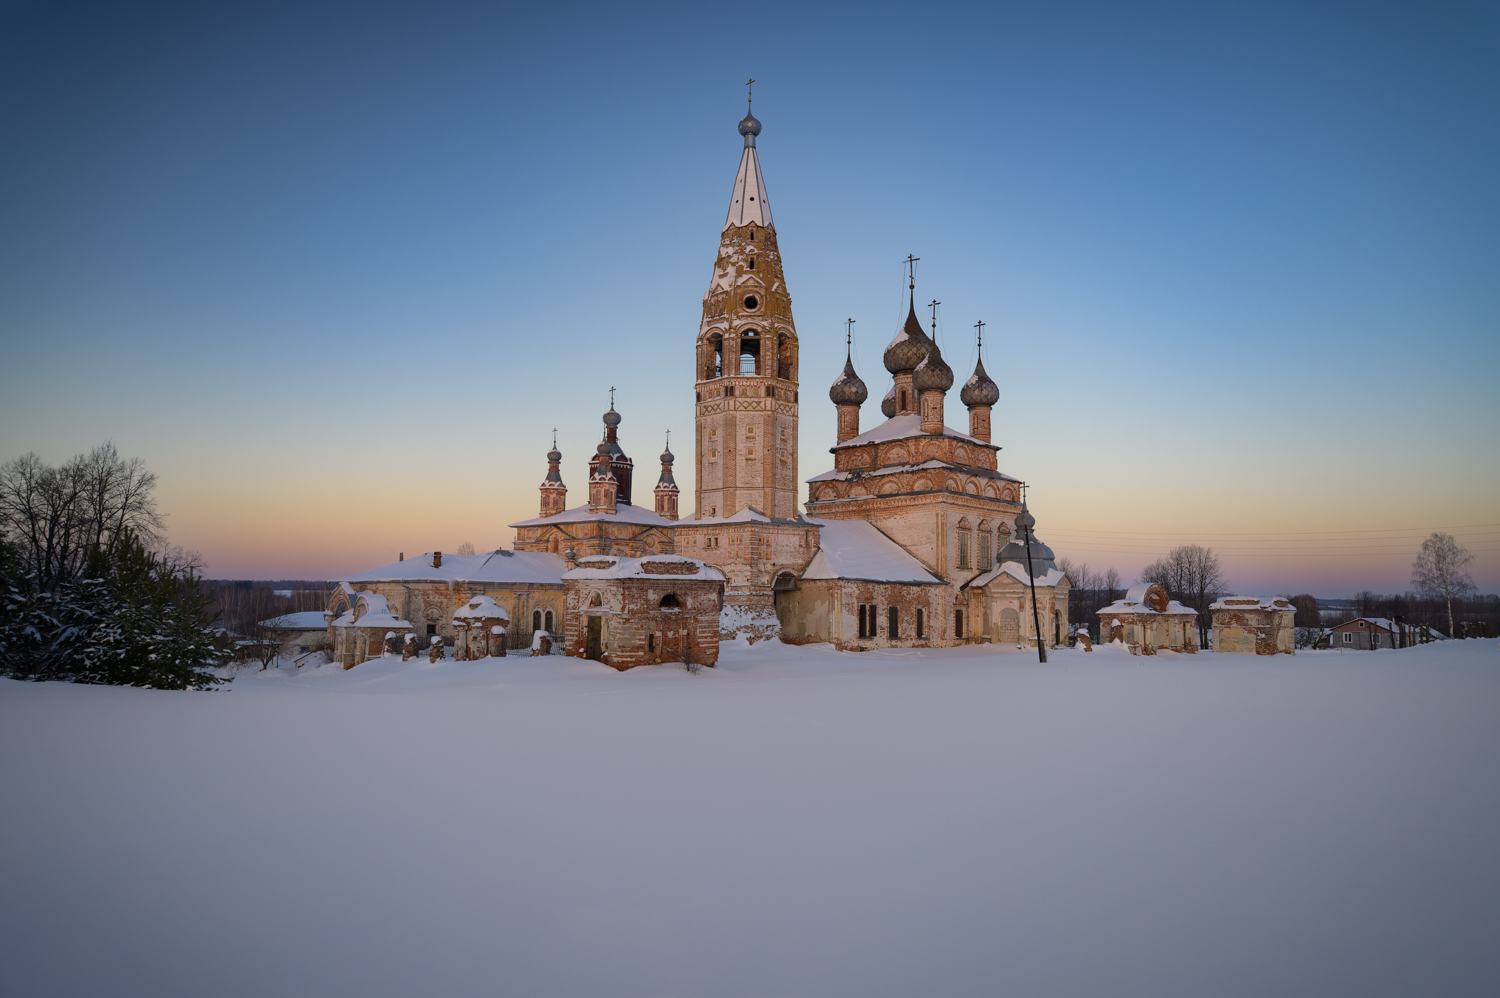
(402, 556)
(437, 559)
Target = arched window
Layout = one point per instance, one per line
(596, 600)
(671, 602)
(547, 625)
(958, 623)
(536, 620)
(749, 352)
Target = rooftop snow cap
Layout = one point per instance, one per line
(979, 389)
(848, 389)
(910, 346)
(888, 404)
(933, 374)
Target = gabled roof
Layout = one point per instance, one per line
(580, 514)
(856, 551)
(903, 427)
(1016, 571)
(499, 566)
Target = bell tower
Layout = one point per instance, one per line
(746, 416)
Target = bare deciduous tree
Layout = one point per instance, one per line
(1192, 575)
(1442, 572)
(467, 547)
(57, 517)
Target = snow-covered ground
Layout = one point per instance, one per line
(796, 822)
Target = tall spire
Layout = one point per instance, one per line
(747, 203)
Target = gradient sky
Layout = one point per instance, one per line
(335, 272)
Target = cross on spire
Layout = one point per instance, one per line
(554, 438)
(979, 336)
(849, 335)
(750, 90)
(611, 396)
(911, 270)
(933, 305)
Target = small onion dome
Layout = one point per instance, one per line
(749, 125)
(1025, 521)
(554, 455)
(604, 449)
(888, 404)
(979, 389)
(910, 346)
(666, 457)
(611, 418)
(933, 374)
(848, 389)
(570, 554)
(1041, 555)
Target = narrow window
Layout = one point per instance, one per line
(548, 626)
(958, 623)
(963, 549)
(752, 263)
(920, 634)
(984, 550)
(903, 400)
(861, 620)
(892, 624)
(536, 620)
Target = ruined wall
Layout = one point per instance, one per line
(634, 628)
(1254, 632)
(429, 606)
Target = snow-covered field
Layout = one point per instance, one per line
(796, 822)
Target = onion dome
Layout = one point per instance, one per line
(888, 404)
(667, 457)
(848, 389)
(749, 125)
(910, 346)
(611, 418)
(933, 374)
(604, 449)
(1041, 555)
(979, 389)
(554, 455)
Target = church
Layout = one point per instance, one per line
(910, 540)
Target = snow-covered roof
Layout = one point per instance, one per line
(1017, 571)
(480, 608)
(371, 610)
(895, 469)
(747, 203)
(1384, 623)
(1253, 603)
(302, 620)
(610, 567)
(856, 550)
(1128, 605)
(747, 515)
(536, 567)
(581, 514)
(902, 427)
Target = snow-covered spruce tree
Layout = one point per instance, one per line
(131, 619)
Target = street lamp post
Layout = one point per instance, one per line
(1024, 523)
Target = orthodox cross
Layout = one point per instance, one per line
(979, 336)
(933, 305)
(750, 90)
(554, 438)
(849, 333)
(611, 396)
(669, 440)
(911, 267)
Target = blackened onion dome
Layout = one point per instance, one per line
(910, 346)
(979, 389)
(848, 389)
(933, 374)
(888, 404)
(666, 457)
(749, 124)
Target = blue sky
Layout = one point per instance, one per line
(336, 272)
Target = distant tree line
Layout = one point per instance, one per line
(89, 590)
